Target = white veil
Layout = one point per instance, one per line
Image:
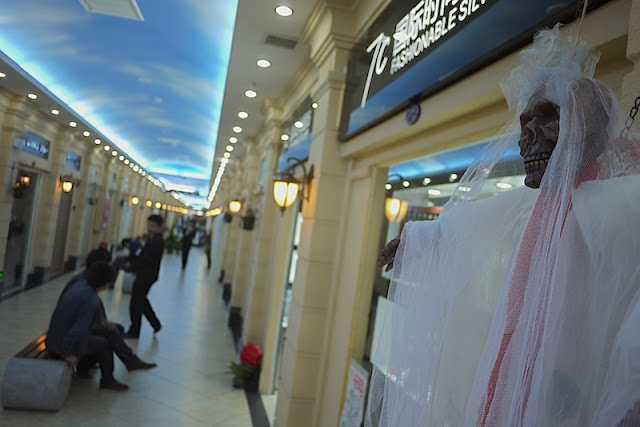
(519, 309)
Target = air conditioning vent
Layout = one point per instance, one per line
(279, 41)
(121, 8)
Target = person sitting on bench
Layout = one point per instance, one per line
(103, 327)
(70, 337)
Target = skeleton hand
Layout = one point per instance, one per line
(388, 254)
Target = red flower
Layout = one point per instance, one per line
(251, 355)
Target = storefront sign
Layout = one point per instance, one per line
(353, 410)
(73, 161)
(33, 144)
(298, 137)
(417, 47)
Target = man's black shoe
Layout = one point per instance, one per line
(157, 328)
(114, 385)
(140, 365)
(131, 334)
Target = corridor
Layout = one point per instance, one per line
(188, 388)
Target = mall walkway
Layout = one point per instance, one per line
(188, 388)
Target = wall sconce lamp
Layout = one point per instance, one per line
(149, 203)
(66, 184)
(286, 187)
(395, 209)
(25, 179)
(135, 200)
(235, 206)
(158, 205)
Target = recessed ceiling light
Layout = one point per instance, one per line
(229, 148)
(2, 75)
(284, 11)
(299, 124)
(426, 181)
(284, 137)
(233, 140)
(126, 162)
(107, 148)
(434, 192)
(243, 114)
(224, 161)
(114, 153)
(250, 93)
(73, 124)
(55, 112)
(388, 186)
(263, 63)
(97, 141)
(86, 133)
(144, 173)
(504, 185)
(405, 184)
(131, 165)
(453, 177)
(237, 129)
(32, 96)
(121, 158)
(226, 155)
(314, 105)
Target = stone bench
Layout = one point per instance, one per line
(34, 379)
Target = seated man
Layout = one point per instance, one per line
(69, 335)
(103, 327)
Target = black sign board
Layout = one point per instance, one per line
(33, 144)
(417, 47)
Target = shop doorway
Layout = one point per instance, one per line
(286, 297)
(62, 232)
(20, 229)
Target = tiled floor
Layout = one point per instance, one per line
(188, 388)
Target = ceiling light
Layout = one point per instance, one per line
(73, 124)
(405, 184)
(107, 148)
(114, 153)
(504, 185)
(250, 94)
(453, 177)
(136, 168)
(299, 124)
(32, 96)
(388, 186)
(229, 148)
(233, 140)
(284, 137)
(237, 129)
(263, 63)
(426, 181)
(131, 165)
(97, 141)
(227, 155)
(314, 105)
(2, 75)
(224, 161)
(55, 112)
(284, 11)
(243, 114)
(86, 133)
(126, 162)
(434, 192)
(121, 158)
(144, 173)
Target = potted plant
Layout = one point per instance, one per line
(172, 242)
(249, 219)
(227, 217)
(246, 374)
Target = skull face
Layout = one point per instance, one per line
(540, 122)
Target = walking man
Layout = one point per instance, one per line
(187, 240)
(146, 268)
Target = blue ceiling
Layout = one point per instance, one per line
(155, 88)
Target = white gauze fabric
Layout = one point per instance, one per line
(522, 308)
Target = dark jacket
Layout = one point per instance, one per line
(187, 238)
(134, 248)
(72, 319)
(146, 266)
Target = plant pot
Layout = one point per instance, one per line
(228, 217)
(238, 382)
(248, 222)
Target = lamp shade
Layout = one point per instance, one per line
(67, 186)
(234, 206)
(149, 203)
(216, 212)
(285, 192)
(158, 205)
(395, 209)
(135, 200)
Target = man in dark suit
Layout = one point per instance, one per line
(187, 241)
(146, 268)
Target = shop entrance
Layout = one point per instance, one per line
(20, 228)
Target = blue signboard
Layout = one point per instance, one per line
(418, 47)
(298, 138)
(33, 144)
